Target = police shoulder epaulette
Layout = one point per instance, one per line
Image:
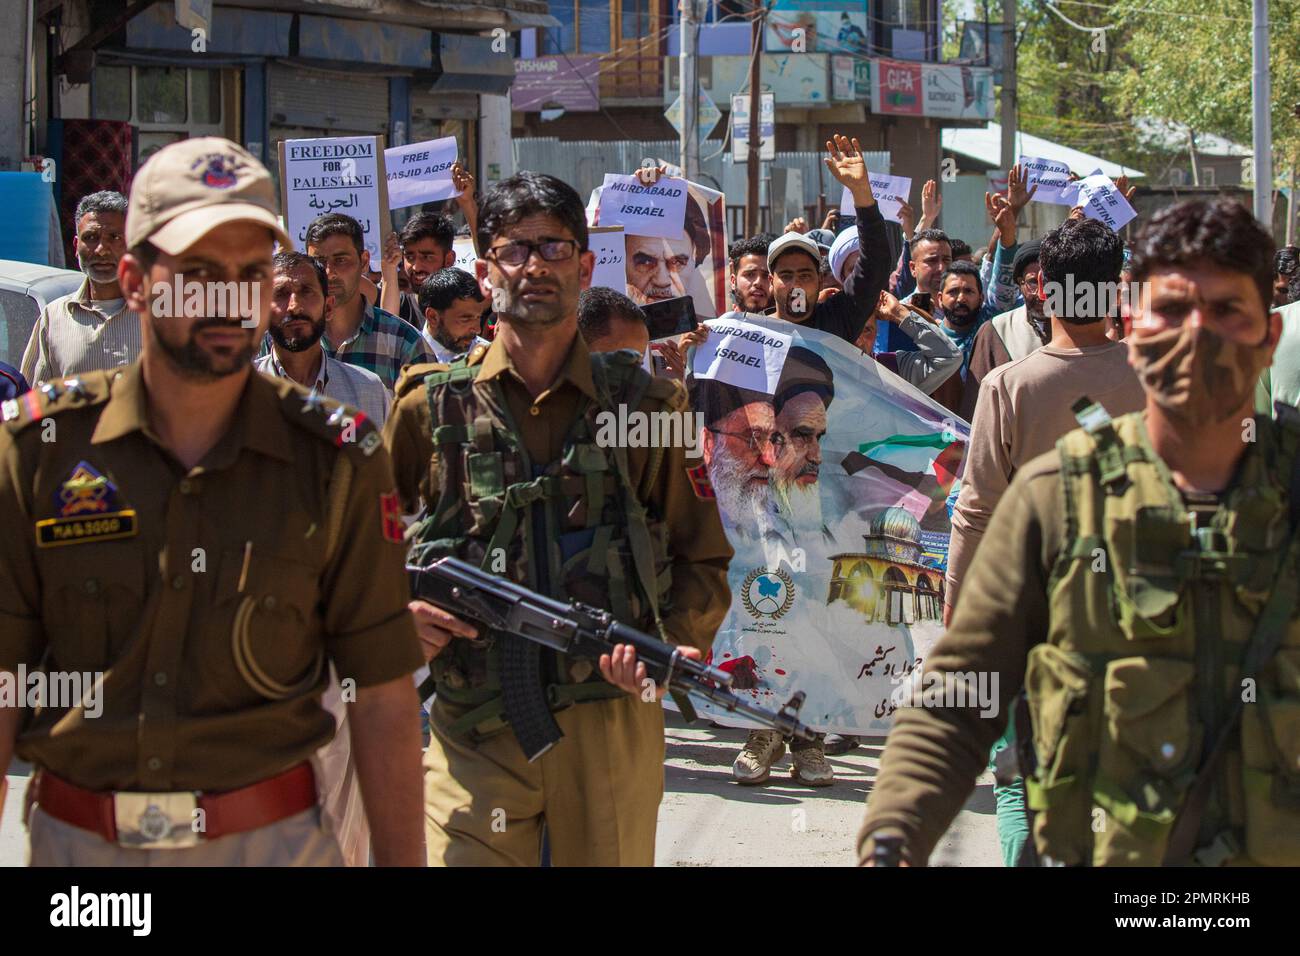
(413, 375)
(341, 425)
(55, 397)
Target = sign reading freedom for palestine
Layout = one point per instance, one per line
(343, 174)
(658, 211)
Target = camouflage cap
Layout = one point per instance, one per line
(187, 189)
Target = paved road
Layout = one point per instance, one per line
(706, 820)
(13, 838)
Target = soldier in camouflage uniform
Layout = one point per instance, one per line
(1140, 582)
(507, 454)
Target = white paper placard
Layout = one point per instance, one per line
(742, 354)
(463, 246)
(658, 211)
(420, 172)
(1049, 175)
(608, 245)
(343, 174)
(1101, 200)
(890, 192)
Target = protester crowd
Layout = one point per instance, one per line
(971, 324)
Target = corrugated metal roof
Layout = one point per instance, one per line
(1163, 134)
(985, 146)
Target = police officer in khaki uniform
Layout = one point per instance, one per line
(1140, 583)
(504, 451)
(204, 541)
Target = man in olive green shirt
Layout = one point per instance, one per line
(1200, 337)
(200, 542)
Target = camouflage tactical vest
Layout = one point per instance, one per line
(1150, 617)
(572, 529)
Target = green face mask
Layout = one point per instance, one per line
(1197, 376)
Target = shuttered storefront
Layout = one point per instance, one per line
(307, 102)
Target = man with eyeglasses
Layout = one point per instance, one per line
(741, 445)
(800, 405)
(500, 448)
(1011, 335)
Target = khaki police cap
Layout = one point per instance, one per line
(187, 189)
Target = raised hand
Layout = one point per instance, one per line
(649, 175)
(1004, 217)
(466, 199)
(798, 224)
(392, 255)
(906, 218)
(1125, 189)
(890, 309)
(1016, 179)
(463, 180)
(845, 161)
(931, 203)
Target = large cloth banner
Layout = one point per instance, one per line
(693, 262)
(835, 479)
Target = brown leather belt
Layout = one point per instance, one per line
(172, 820)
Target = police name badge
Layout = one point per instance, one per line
(87, 509)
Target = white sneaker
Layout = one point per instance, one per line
(754, 763)
(810, 768)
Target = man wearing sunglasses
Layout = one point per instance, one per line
(501, 450)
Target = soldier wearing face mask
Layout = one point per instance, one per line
(1140, 583)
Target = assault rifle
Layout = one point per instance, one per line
(524, 621)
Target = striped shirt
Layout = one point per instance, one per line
(75, 334)
(344, 383)
(382, 344)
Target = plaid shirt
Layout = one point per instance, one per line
(382, 344)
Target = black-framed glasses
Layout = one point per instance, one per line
(755, 440)
(516, 253)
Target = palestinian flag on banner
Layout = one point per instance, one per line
(928, 463)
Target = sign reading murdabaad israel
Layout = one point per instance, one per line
(343, 174)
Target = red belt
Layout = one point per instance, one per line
(162, 820)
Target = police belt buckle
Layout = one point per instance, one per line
(157, 821)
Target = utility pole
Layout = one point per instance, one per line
(1008, 84)
(1262, 129)
(689, 79)
(1291, 196)
(755, 165)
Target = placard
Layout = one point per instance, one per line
(890, 193)
(463, 246)
(1102, 200)
(1049, 175)
(742, 354)
(343, 174)
(420, 172)
(608, 245)
(657, 211)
